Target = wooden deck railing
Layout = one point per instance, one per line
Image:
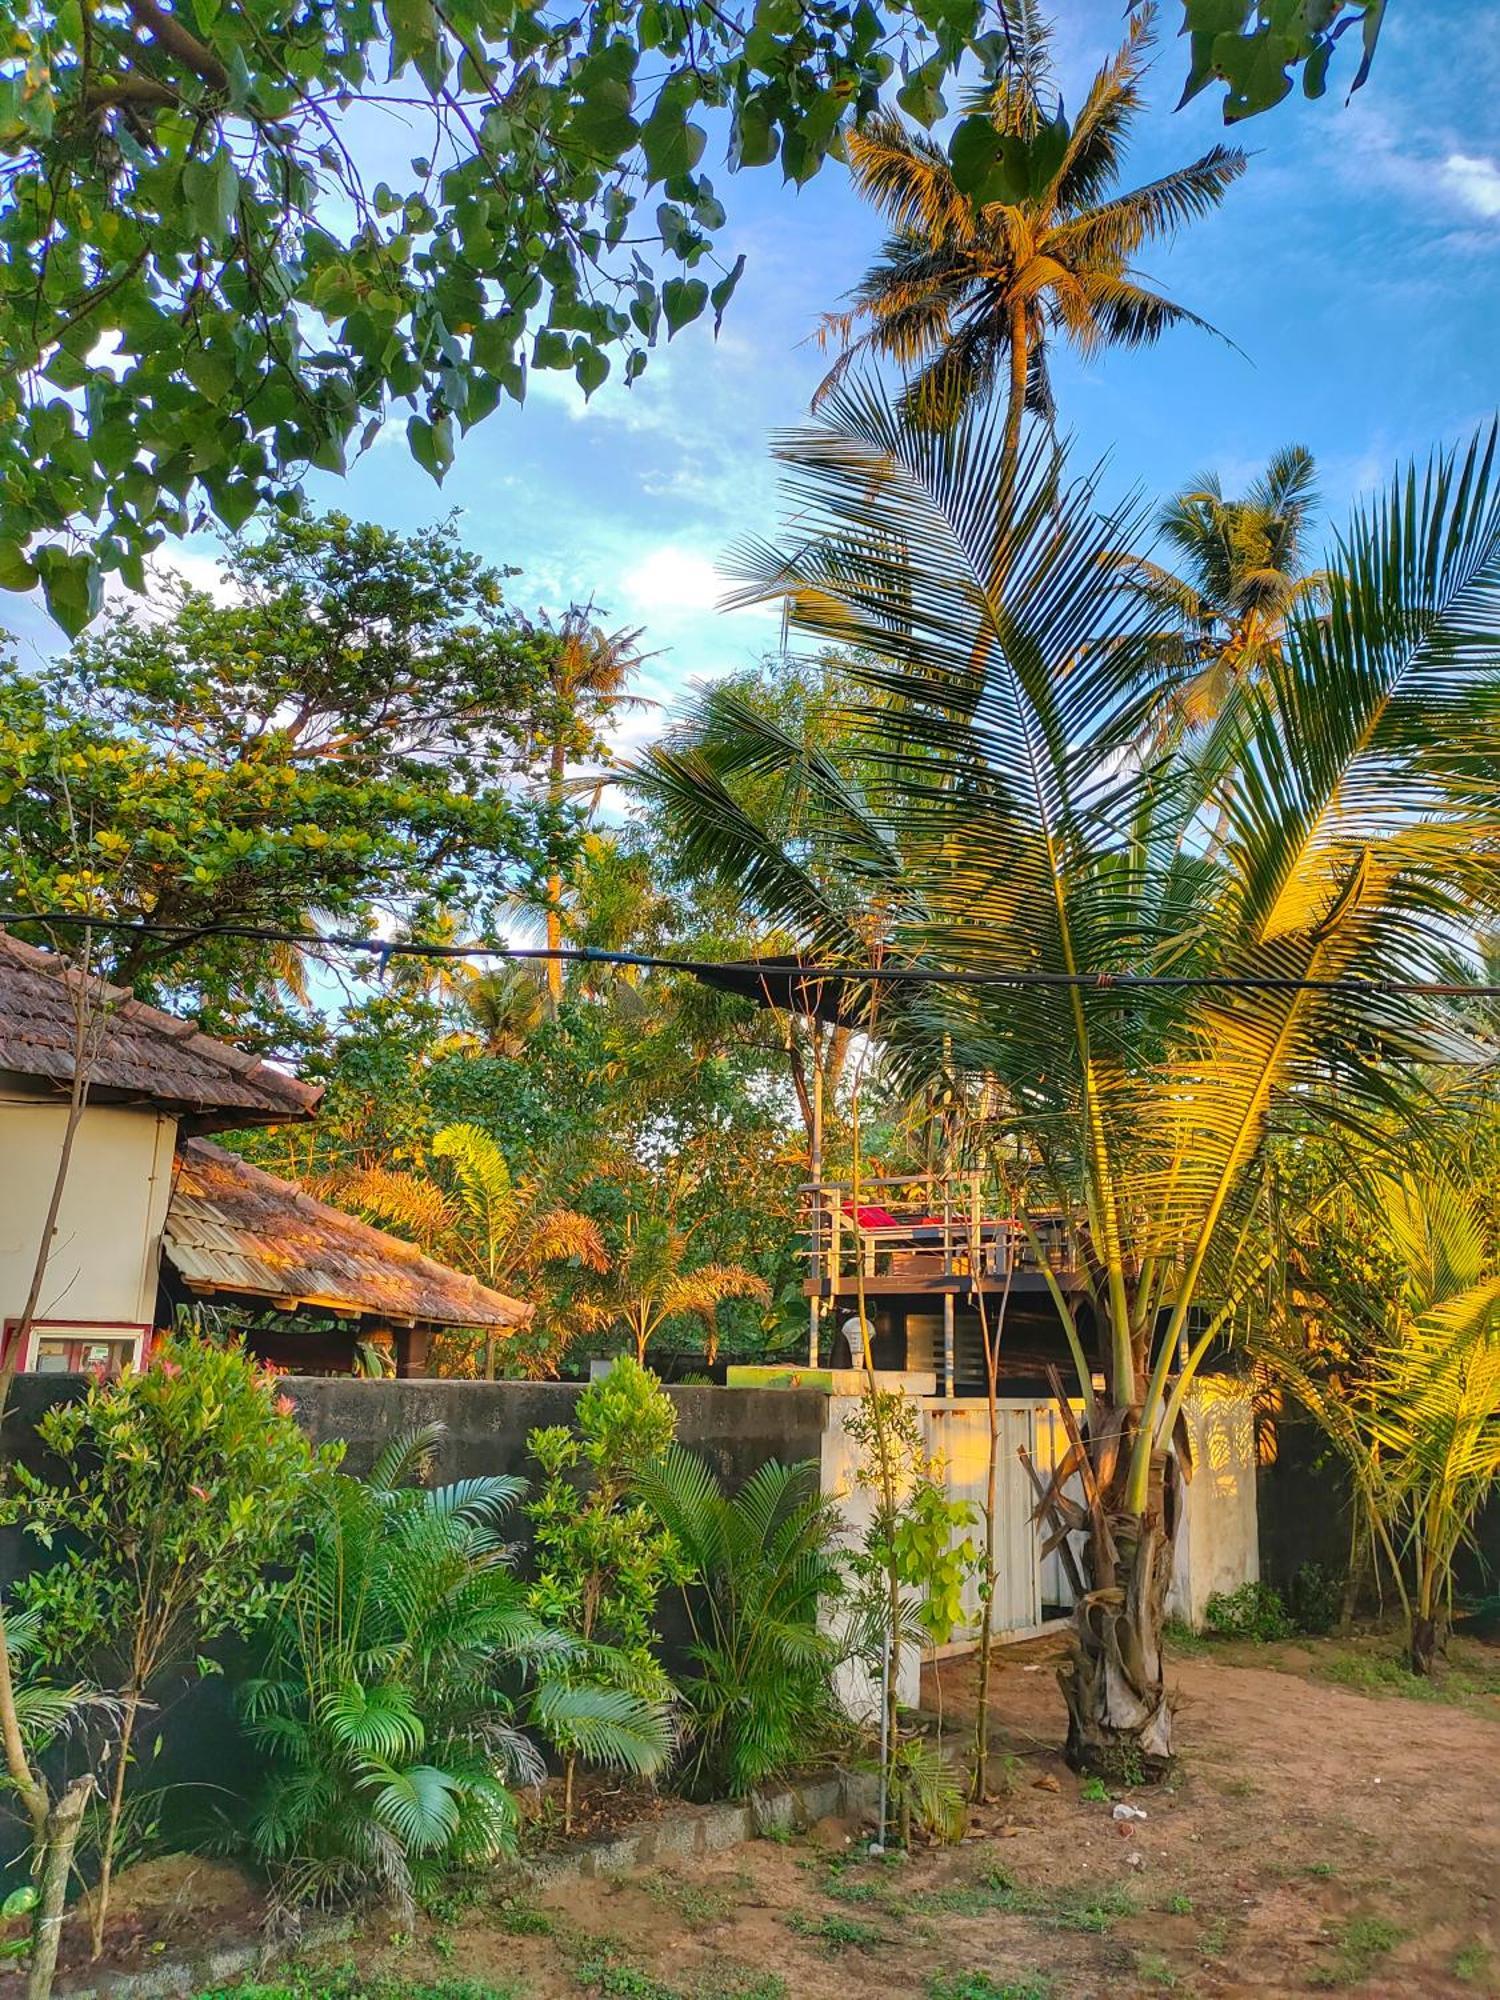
(926, 1227)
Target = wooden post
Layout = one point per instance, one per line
(411, 1351)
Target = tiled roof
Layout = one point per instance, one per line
(232, 1228)
(142, 1052)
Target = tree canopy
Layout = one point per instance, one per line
(236, 240)
(329, 739)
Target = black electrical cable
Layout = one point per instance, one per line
(803, 975)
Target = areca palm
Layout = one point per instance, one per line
(650, 1282)
(973, 280)
(1421, 1438)
(1241, 573)
(470, 1210)
(996, 825)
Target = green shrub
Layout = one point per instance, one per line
(181, 1483)
(391, 1709)
(602, 1558)
(1254, 1611)
(1314, 1599)
(765, 1559)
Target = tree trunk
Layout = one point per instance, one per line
(64, 1824)
(1424, 1644)
(100, 1911)
(1119, 1714)
(1015, 406)
(554, 880)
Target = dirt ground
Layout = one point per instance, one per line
(1322, 1834)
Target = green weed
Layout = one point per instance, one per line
(980, 1986)
(1152, 1970)
(844, 1888)
(1086, 1908)
(520, 1920)
(1094, 1791)
(1359, 1948)
(1472, 1964)
(838, 1933)
(746, 1985)
(1182, 1638)
(348, 1984)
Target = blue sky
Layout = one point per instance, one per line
(1355, 265)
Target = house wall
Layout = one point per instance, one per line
(1218, 1539)
(104, 1255)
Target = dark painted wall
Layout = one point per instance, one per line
(736, 1430)
(487, 1423)
(1305, 1516)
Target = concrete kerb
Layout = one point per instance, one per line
(684, 1833)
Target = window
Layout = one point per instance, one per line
(69, 1347)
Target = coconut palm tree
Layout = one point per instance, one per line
(587, 674)
(506, 1007)
(1241, 571)
(996, 824)
(647, 1285)
(1037, 245)
(472, 1212)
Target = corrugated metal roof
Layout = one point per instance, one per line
(142, 1053)
(232, 1228)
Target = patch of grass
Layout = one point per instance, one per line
(1181, 1637)
(1094, 1791)
(1469, 1677)
(1215, 1939)
(450, 1902)
(1152, 1970)
(605, 1972)
(1089, 1907)
(521, 1920)
(980, 1986)
(348, 1984)
(1359, 1948)
(1179, 1906)
(846, 1888)
(695, 1902)
(1471, 1964)
(1323, 1870)
(1093, 1910)
(837, 1933)
(746, 1984)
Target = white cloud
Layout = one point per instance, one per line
(668, 581)
(1475, 181)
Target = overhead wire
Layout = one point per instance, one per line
(795, 972)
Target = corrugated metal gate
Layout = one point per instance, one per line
(958, 1433)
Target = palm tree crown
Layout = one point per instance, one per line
(966, 281)
(1241, 572)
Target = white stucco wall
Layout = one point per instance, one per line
(103, 1264)
(1218, 1541)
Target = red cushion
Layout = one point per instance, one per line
(872, 1218)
